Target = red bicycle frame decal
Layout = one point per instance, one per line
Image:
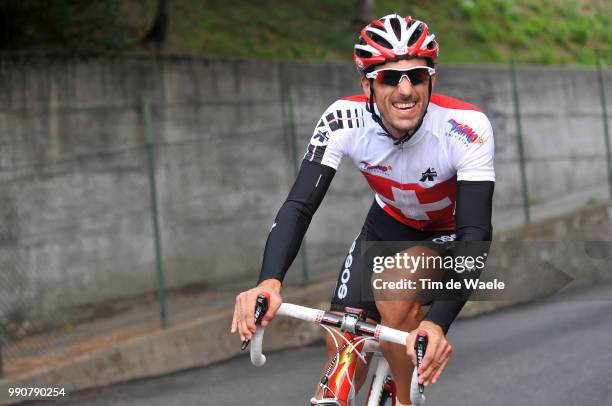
(341, 381)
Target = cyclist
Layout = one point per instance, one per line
(428, 159)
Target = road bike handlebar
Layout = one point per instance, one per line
(378, 331)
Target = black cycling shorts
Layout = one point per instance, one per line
(353, 288)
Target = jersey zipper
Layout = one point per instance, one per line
(403, 179)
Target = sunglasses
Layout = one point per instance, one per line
(392, 77)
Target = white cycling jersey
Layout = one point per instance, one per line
(415, 182)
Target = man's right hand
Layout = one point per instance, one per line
(244, 310)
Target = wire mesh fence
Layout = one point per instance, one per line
(138, 193)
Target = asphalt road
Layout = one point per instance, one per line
(546, 353)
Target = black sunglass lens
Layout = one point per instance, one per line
(418, 76)
(392, 77)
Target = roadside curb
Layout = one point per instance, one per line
(195, 343)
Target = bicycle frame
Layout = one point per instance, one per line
(337, 381)
(365, 336)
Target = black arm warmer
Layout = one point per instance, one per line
(293, 219)
(472, 223)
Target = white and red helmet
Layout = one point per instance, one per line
(393, 37)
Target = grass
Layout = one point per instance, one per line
(469, 31)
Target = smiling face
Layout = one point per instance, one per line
(401, 106)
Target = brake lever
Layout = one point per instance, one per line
(420, 347)
(261, 307)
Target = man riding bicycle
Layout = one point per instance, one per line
(428, 159)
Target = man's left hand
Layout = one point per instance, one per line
(437, 355)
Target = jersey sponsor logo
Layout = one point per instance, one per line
(444, 239)
(320, 138)
(428, 175)
(366, 166)
(464, 132)
(318, 143)
(346, 272)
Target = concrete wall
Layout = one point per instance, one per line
(74, 196)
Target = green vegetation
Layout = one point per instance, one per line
(469, 31)
(73, 26)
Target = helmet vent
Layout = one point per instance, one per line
(397, 28)
(363, 54)
(378, 39)
(416, 35)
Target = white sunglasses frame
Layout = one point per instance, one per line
(374, 74)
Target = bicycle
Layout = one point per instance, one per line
(358, 338)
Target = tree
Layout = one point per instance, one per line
(158, 32)
(71, 26)
(364, 12)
